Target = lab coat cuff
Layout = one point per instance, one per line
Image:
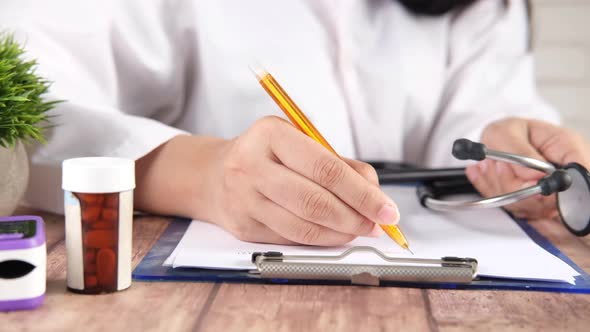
(142, 142)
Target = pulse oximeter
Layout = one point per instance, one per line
(22, 262)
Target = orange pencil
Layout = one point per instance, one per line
(302, 123)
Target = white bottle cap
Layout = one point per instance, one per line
(97, 175)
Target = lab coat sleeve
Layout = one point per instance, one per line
(490, 76)
(118, 66)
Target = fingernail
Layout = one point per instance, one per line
(388, 215)
(472, 173)
(500, 168)
(483, 166)
(376, 232)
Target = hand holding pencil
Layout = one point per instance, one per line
(301, 122)
(275, 184)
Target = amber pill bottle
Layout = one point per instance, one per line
(98, 202)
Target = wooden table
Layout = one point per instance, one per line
(186, 306)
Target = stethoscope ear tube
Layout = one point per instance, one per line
(464, 149)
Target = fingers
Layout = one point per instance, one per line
(512, 135)
(558, 144)
(481, 175)
(370, 174)
(536, 139)
(509, 182)
(545, 137)
(308, 158)
(251, 230)
(493, 178)
(309, 201)
(365, 170)
(294, 228)
(507, 179)
(271, 160)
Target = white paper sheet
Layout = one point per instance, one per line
(501, 247)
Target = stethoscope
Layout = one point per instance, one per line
(571, 183)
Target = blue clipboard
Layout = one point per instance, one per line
(151, 268)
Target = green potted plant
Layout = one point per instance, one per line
(23, 117)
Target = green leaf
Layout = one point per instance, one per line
(23, 110)
(14, 98)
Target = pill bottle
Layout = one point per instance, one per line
(98, 201)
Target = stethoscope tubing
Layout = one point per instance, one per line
(492, 202)
(464, 149)
(536, 164)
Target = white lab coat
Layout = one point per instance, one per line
(378, 82)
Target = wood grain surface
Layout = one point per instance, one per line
(180, 306)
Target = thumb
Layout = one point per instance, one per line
(524, 148)
(558, 144)
(513, 136)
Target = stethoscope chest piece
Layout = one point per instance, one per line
(573, 204)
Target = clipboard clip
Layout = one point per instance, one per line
(275, 265)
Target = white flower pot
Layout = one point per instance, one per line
(14, 177)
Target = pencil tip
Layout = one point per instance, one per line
(411, 252)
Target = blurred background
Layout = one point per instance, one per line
(562, 49)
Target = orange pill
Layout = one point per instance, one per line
(90, 281)
(110, 214)
(89, 256)
(90, 199)
(91, 213)
(90, 268)
(100, 238)
(111, 200)
(106, 265)
(102, 224)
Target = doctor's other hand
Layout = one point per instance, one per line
(531, 138)
(272, 184)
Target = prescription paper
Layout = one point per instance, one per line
(501, 247)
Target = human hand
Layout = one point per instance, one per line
(531, 138)
(276, 185)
